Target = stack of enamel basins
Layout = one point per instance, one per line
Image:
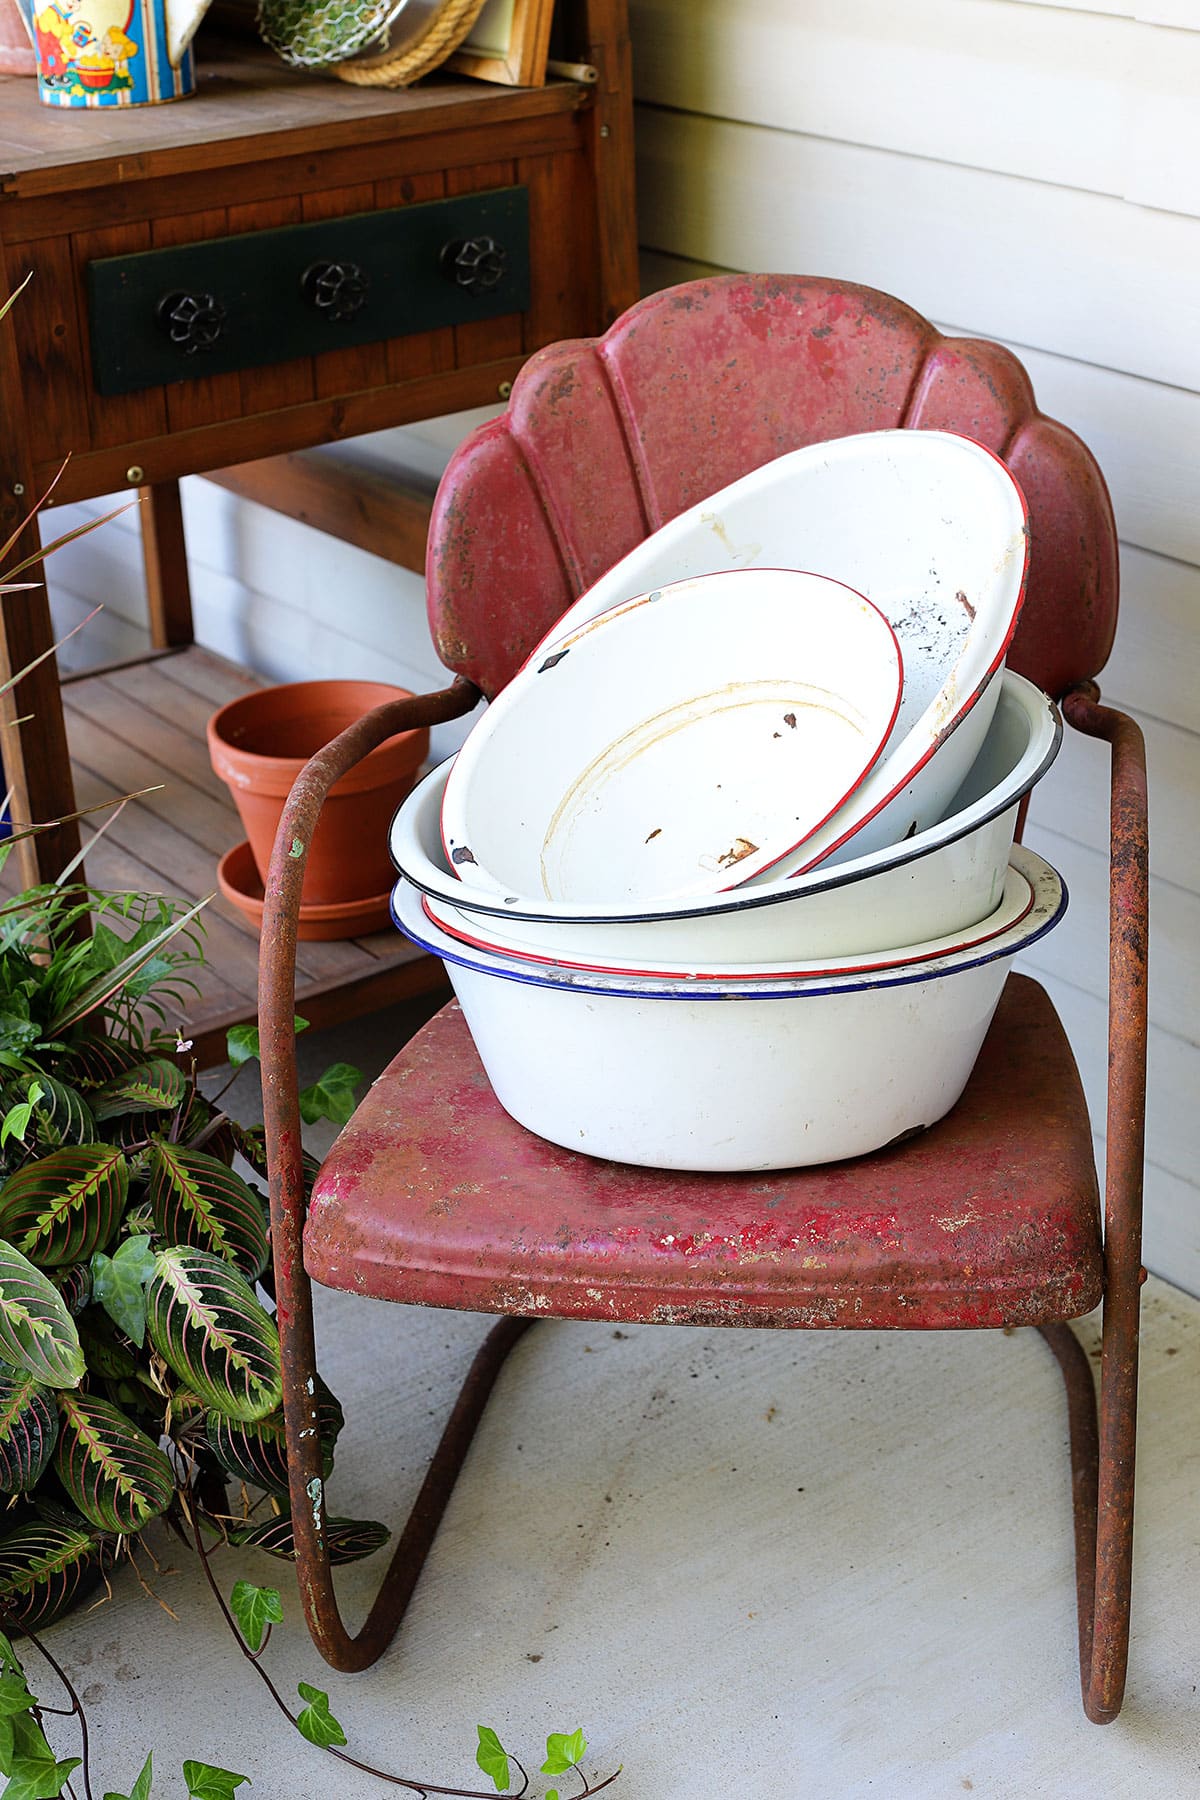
(725, 877)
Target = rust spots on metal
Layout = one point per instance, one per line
(552, 662)
(964, 602)
(739, 849)
(657, 832)
(462, 854)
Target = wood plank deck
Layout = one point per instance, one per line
(143, 726)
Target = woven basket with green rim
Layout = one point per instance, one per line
(314, 34)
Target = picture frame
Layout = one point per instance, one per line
(509, 43)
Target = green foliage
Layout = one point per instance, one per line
(62, 1207)
(43, 1567)
(112, 1471)
(563, 1752)
(256, 1450)
(347, 1540)
(16, 1120)
(197, 1200)
(37, 1333)
(255, 1609)
(315, 1721)
(492, 1758)
(207, 1326)
(332, 1097)
(28, 1430)
(204, 1782)
(119, 1284)
(141, 1787)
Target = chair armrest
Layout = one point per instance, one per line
(277, 953)
(1128, 955)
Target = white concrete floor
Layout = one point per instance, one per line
(798, 1564)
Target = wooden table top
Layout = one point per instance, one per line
(246, 103)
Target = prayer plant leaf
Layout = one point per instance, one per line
(63, 1206)
(207, 1326)
(315, 1721)
(197, 1200)
(155, 1086)
(349, 1540)
(205, 1782)
(37, 1333)
(492, 1758)
(112, 1471)
(63, 1115)
(255, 1608)
(256, 1451)
(119, 1284)
(43, 1566)
(28, 1429)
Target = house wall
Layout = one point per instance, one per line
(1014, 170)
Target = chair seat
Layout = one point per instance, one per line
(434, 1196)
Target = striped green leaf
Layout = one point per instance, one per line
(206, 1324)
(37, 1333)
(28, 1428)
(43, 1566)
(156, 1086)
(200, 1202)
(66, 1205)
(74, 1283)
(256, 1450)
(349, 1540)
(95, 1060)
(113, 1473)
(62, 1114)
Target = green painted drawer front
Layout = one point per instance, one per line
(267, 296)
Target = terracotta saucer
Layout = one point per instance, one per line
(239, 881)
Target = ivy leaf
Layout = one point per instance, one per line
(563, 1751)
(141, 1787)
(492, 1758)
(15, 1697)
(255, 1608)
(36, 1773)
(332, 1097)
(242, 1042)
(119, 1284)
(16, 1119)
(204, 1782)
(37, 1333)
(316, 1722)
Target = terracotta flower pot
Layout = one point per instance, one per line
(260, 743)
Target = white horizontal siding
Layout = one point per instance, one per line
(1077, 274)
(1090, 101)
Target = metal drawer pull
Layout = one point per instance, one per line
(476, 264)
(191, 321)
(338, 290)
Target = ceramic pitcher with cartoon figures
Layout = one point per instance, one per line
(113, 52)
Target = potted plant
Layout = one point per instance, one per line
(135, 1352)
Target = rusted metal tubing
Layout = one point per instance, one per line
(1104, 1683)
(281, 1113)
(1084, 1441)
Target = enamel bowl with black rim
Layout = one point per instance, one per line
(779, 1073)
(931, 527)
(1016, 900)
(676, 744)
(941, 880)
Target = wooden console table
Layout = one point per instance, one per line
(263, 149)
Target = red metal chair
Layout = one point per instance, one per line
(433, 1195)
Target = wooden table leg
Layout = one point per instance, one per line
(164, 553)
(37, 764)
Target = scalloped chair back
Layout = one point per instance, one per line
(606, 439)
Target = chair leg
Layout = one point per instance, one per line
(1102, 1479)
(315, 1576)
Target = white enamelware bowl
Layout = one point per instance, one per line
(1016, 900)
(675, 744)
(944, 879)
(780, 1074)
(928, 525)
